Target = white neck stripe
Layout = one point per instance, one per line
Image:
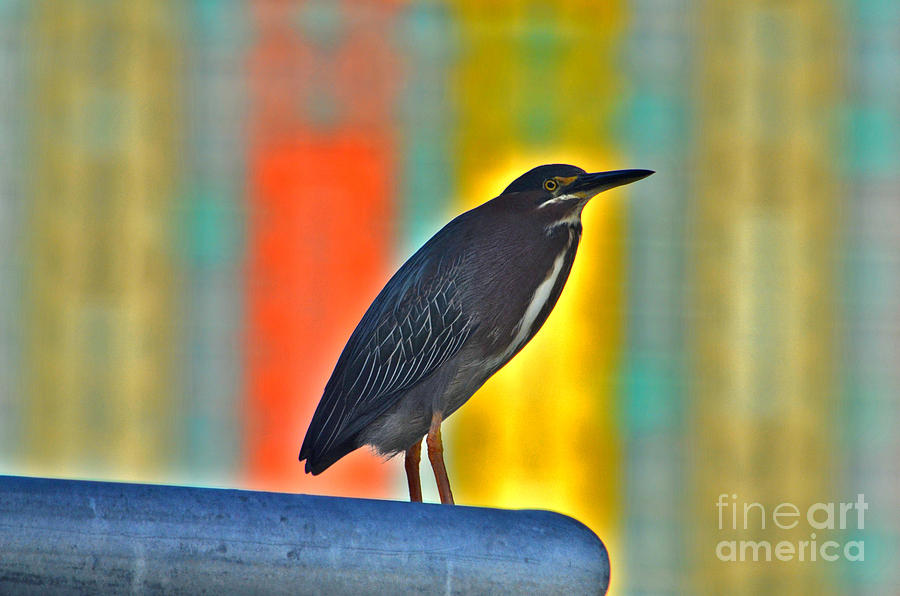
(538, 301)
(559, 199)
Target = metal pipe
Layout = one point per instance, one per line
(80, 537)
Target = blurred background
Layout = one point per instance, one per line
(199, 199)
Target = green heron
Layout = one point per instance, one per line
(457, 311)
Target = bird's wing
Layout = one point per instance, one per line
(416, 324)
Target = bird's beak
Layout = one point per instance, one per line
(588, 185)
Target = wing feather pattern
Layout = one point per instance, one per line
(416, 324)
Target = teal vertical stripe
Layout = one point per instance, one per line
(428, 35)
(656, 129)
(13, 34)
(210, 240)
(872, 283)
(541, 50)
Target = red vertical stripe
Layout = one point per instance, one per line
(319, 248)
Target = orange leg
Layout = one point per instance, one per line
(413, 456)
(436, 455)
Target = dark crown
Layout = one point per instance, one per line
(534, 178)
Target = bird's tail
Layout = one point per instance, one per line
(316, 463)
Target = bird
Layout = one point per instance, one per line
(460, 308)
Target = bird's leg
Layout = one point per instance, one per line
(436, 455)
(413, 456)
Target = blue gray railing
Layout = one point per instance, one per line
(70, 536)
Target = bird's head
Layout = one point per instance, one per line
(566, 189)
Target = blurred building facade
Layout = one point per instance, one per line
(199, 199)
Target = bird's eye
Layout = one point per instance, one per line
(550, 184)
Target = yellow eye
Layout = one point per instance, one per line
(550, 184)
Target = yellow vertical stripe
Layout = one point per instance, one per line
(99, 349)
(143, 340)
(55, 411)
(542, 433)
(764, 219)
